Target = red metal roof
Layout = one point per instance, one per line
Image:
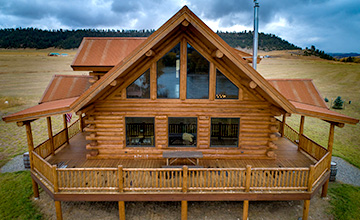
(307, 100)
(42, 110)
(65, 86)
(104, 51)
(299, 90)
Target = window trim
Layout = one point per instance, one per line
(238, 133)
(126, 133)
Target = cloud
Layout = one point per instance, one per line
(331, 25)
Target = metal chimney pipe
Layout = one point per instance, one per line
(256, 37)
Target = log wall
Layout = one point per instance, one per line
(106, 127)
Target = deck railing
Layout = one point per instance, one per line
(44, 149)
(249, 179)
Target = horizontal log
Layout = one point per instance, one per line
(91, 138)
(88, 129)
(110, 121)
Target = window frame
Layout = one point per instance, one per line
(152, 138)
(237, 135)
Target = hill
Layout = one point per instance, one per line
(67, 39)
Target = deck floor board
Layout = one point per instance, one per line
(74, 155)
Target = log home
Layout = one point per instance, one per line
(177, 116)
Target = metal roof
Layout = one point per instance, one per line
(104, 51)
(307, 100)
(65, 86)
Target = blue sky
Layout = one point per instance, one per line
(330, 25)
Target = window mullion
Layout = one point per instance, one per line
(183, 68)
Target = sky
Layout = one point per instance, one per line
(329, 25)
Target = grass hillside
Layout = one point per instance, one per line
(332, 79)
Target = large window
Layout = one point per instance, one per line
(168, 74)
(197, 84)
(224, 132)
(182, 132)
(139, 132)
(225, 89)
(140, 88)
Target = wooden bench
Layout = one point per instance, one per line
(192, 156)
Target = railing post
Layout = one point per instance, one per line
(121, 178)
(248, 178)
(311, 178)
(283, 124)
(185, 179)
(55, 176)
(31, 149)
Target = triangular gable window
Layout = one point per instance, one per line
(225, 89)
(140, 88)
(197, 84)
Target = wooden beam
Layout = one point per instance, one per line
(301, 129)
(185, 23)
(330, 148)
(66, 129)
(31, 149)
(217, 54)
(58, 210)
(306, 210)
(22, 123)
(245, 210)
(252, 84)
(212, 82)
(283, 124)
(184, 210)
(183, 68)
(153, 81)
(150, 53)
(114, 83)
(50, 134)
(121, 210)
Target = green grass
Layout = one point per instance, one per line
(16, 194)
(345, 201)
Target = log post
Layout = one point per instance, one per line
(58, 210)
(121, 178)
(121, 210)
(184, 210)
(185, 178)
(66, 129)
(306, 210)
(50, 134)
(31, 149)
(248, 178)
(55, 176)
(301, 129)
(311, 177)
(245, 210)
(81, 120)
(330, 148)
(283, 124)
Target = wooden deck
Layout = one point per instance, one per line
(73, 155)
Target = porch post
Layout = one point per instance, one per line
(306, 210)
(184, 210)
(66, 129)
(81, 120)
(121, 210)
(283, 123)
(245, 210)
(50, 134)
(301, 129)
(58, 210)
(31, 149)
(330, 148)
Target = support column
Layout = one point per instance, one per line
(66, 129)
(31, 149)
(184, 210)
(50, 134)
(306, 210)
(58, 210)
(245, 210)
(301, 129)
(121, 210)
(283, 123)
(330, 148)
(81, 120)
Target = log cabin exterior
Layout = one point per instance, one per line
(183, 89)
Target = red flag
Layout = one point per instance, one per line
(68, 117)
